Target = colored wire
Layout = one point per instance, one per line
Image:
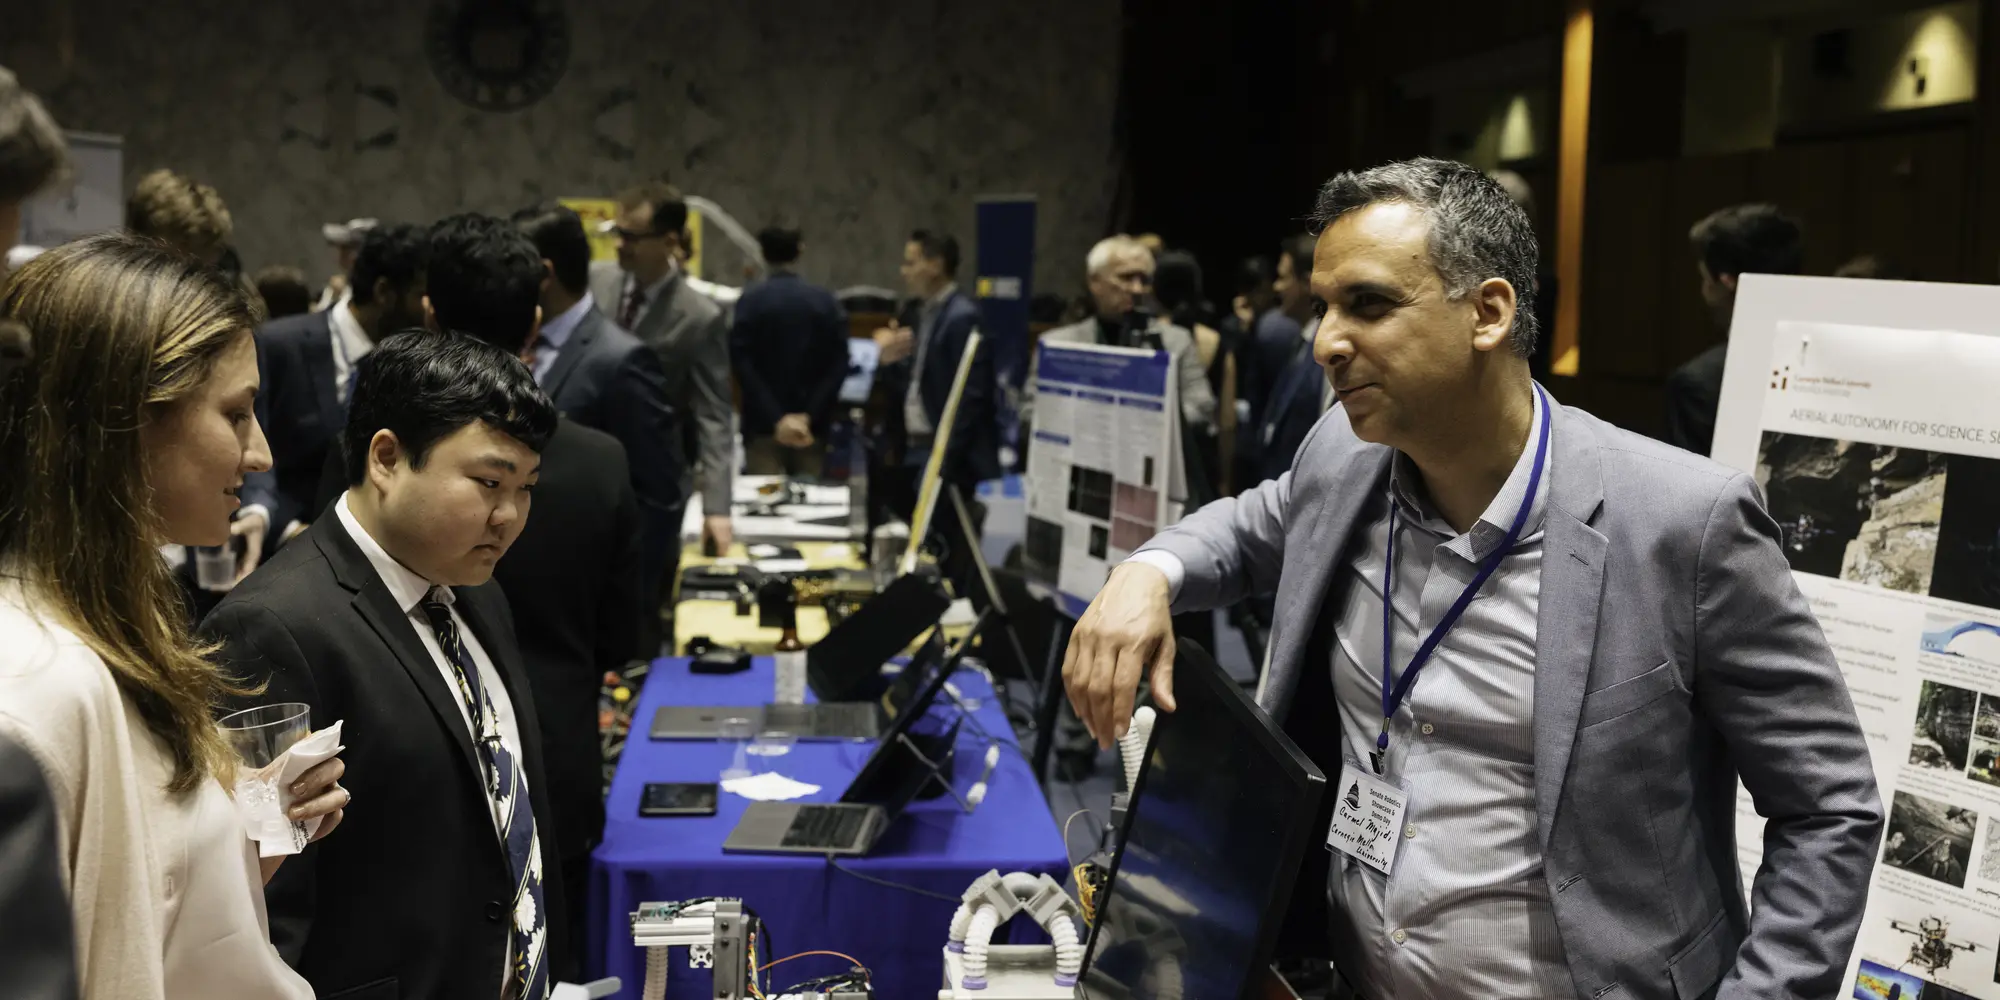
(1067, 856)
(808, 954)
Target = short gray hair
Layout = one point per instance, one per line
(1101, 255)
(32, 152)
(1477, 231)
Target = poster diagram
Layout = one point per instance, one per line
(1879, 457)
(1100, 466)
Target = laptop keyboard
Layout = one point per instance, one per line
(825, 826)
(844, 719)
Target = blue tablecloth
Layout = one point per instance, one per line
(807, 904)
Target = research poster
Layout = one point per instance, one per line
(1100, 463)
(1877, 447)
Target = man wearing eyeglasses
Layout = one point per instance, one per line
(648, 294)
(1120, 269)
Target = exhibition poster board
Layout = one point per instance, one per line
(1101, 465)
(92, 202)
(1868, 414)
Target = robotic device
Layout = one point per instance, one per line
(720, 935)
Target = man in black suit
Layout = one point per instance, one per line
(307, 363)
(788, 344)
(382, 615)
(919, 364)
(601, 376)
(1730, 243)
(573, 576)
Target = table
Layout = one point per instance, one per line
(719, 621)
(807, 904)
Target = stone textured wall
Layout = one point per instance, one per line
(857, 120)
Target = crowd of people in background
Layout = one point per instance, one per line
(369, 448)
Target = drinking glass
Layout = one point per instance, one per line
(769, 744)
(737, 732)
(214, 566)
(261, 735)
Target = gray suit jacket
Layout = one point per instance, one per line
(1674, 653)
(1197, 398)
(690, 333)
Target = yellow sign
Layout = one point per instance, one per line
(596, 212)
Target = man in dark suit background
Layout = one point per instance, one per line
(307, 364)
(382, 615)
(573, 576)
(648, 295)
(919, 364)
(602, 377)
(38, 951)
(789, 347)
(1729, 243)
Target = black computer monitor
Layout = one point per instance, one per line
(1219, 819)
(846, 665)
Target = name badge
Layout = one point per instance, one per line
(1367, 818)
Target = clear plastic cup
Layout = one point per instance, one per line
(262, 734)
(737, 732)
(214, 567)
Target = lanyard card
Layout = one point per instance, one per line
(1367, 818)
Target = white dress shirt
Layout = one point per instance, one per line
(350, 344)
(1467, 914)
(555, 333)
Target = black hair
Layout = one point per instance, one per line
(1300, 249)
(485, 280)
(423, 386)
(1177, 284)
(1254, 275)
(1748, 239)
(670, 211)
(780, 245)
(284, 291)
(1477, 231)
(398, 253)
(557, 233)
(938, 247)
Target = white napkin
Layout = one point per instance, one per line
(264, 795)
(768, 787)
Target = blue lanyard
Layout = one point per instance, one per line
(1395, 690)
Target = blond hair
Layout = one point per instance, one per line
(123, 327)
(181, 212)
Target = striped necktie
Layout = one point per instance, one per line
(503, 784)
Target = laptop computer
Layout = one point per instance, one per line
(893, 776)
(840, 720)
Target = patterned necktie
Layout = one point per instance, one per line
(635, 300)
(503, 784)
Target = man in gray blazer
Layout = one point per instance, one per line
(1120, 273)
(648, 295)
(1567, 758)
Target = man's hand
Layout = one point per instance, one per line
(250, 527)
(1244, 314)
(292, 530)
(896, 342)
(715, 528)
(1126, 630)
(795, 430)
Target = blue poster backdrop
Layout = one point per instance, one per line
(1005, 227)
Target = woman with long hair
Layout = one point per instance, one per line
(128, 425)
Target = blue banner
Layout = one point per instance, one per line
(1118, 372)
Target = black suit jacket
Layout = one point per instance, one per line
(412, 896)
(975, 444)
(1693, 392)
(573, 581)
(604, 378)
(37, 949)
(788, 344)
(300, 409)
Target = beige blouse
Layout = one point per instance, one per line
(165, 889)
